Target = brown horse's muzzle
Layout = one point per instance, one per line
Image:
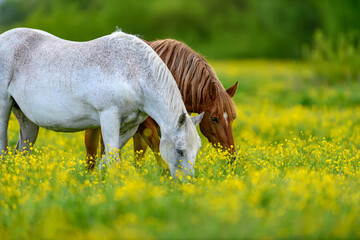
(231, 152)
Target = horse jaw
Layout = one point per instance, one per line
(179, 148)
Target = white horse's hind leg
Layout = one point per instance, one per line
(28, 131)
(110, 130)
(5, 110)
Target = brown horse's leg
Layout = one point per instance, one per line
(102, 145)
(91, 144)
(149, 133)
(140, 146)
(154, 144)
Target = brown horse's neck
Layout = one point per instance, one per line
(197, 82)
(190, 70)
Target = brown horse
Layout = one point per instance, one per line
(201, 91)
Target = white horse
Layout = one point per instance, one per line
(112, 82)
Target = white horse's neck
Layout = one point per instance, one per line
(163, 98)
(162, 111)
(163, 101)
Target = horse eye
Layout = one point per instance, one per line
(214, 119)
(181, 153)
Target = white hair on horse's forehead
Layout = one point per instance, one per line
(191, 138)
(226, 118)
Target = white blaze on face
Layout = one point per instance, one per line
(226, 118)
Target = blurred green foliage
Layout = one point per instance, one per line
(215, 28)
(335, 59)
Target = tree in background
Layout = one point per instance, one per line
(216, 28)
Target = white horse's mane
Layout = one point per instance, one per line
(164, 79)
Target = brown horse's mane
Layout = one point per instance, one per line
(199, 86)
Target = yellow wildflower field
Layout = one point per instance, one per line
(295, 175)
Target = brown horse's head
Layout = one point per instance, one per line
(201, 91)
(218, 118)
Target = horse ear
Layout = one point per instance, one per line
(197, 119)
(232, 90)
(213, 91)
(181, 120)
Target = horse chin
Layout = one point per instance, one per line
(231, 151)
(181, 173)
(233, 158)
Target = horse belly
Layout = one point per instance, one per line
(65, 115)
(72, 119)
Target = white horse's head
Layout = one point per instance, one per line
(179, 147)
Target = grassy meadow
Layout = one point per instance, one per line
(295, 176)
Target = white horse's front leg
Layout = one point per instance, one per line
(110, 130)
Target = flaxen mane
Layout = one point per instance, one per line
(196, 80)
